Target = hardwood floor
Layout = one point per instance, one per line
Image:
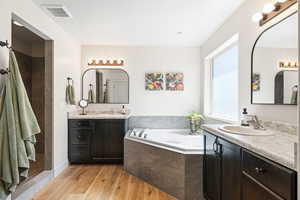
(99, 182)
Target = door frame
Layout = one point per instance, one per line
(29, 187)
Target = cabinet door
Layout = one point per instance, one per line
(231, 170)
(252, 190)
(114, 139)
(97, 139)
(212, 169)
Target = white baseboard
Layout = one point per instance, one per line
(61, 167)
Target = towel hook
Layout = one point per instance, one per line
(4, 71)
(69, 79)
(5, 44)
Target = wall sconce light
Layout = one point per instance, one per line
(289, 65)
(99, 62)
(272, 10)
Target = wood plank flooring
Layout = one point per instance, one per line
(99, 182)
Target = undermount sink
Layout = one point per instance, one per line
(247, 131)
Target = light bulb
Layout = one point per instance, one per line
(257, 17)
(90, 61)
(293, 64)
(97, 62)
(286, 64)
(119, 61)
(104, 61)
(111, 61)
(281, 1)
(268, 8)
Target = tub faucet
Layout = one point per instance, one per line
(253, 120)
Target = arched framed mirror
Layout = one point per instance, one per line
(272, 80)
(105, 86)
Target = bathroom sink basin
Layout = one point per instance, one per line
(247, 131)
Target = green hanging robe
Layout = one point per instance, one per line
(18, 127)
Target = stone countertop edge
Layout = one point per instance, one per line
(98, 116)
(265, 146)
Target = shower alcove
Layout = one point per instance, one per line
(34, 54)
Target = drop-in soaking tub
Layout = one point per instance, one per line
(166, 158)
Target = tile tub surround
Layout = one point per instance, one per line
(159, 122)
(178, 174)
(98, 115)
(279, 147)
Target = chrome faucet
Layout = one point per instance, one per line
(253, 120)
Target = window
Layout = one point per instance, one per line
(222, 91)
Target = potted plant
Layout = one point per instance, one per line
(195, 121)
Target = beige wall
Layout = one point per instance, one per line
(66, 63)
(138, 61)
(240, 22)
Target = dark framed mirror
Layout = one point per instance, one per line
(274, 71)
(105, 86)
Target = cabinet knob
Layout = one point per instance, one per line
(259, 170)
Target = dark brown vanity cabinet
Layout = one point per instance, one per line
(234, 173)
(274, 180)
(212, 169)
(222, 169)
(97, 140)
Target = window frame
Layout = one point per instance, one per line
(208, 80)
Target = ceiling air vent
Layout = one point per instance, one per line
(57, 10)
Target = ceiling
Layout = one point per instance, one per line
(282, 35)
(144, 22)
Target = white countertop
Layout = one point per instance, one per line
(98, 115)
(279, 147)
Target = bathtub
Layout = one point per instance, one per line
(171, 160)
(178, 140)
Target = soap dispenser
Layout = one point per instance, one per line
(123, 111)
(244, 118)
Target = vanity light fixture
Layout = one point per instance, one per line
(289, 65)
(271, 10)
(99, 62)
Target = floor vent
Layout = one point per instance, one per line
(57, 10)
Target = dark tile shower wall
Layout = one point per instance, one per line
(38, 99)
(33, 74)
(25, 66)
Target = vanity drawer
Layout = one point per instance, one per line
(81, 123)
(79, 153)
(80, 136)
(277, 178)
